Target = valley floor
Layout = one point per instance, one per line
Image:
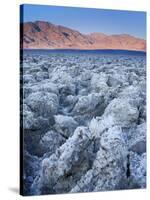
(84, 122)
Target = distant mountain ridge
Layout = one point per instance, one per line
(45, 35)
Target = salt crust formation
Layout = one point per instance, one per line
(84, 123)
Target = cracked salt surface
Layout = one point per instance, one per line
(84, 122)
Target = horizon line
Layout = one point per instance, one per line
(76, 49)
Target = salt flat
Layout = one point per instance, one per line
(84, 121)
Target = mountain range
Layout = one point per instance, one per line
(45, 35)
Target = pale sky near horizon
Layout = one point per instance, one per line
(87, 20)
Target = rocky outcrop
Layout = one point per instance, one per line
(45, 35)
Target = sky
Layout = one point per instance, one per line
(88, 20)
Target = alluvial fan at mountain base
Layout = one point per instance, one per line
(84, 121)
